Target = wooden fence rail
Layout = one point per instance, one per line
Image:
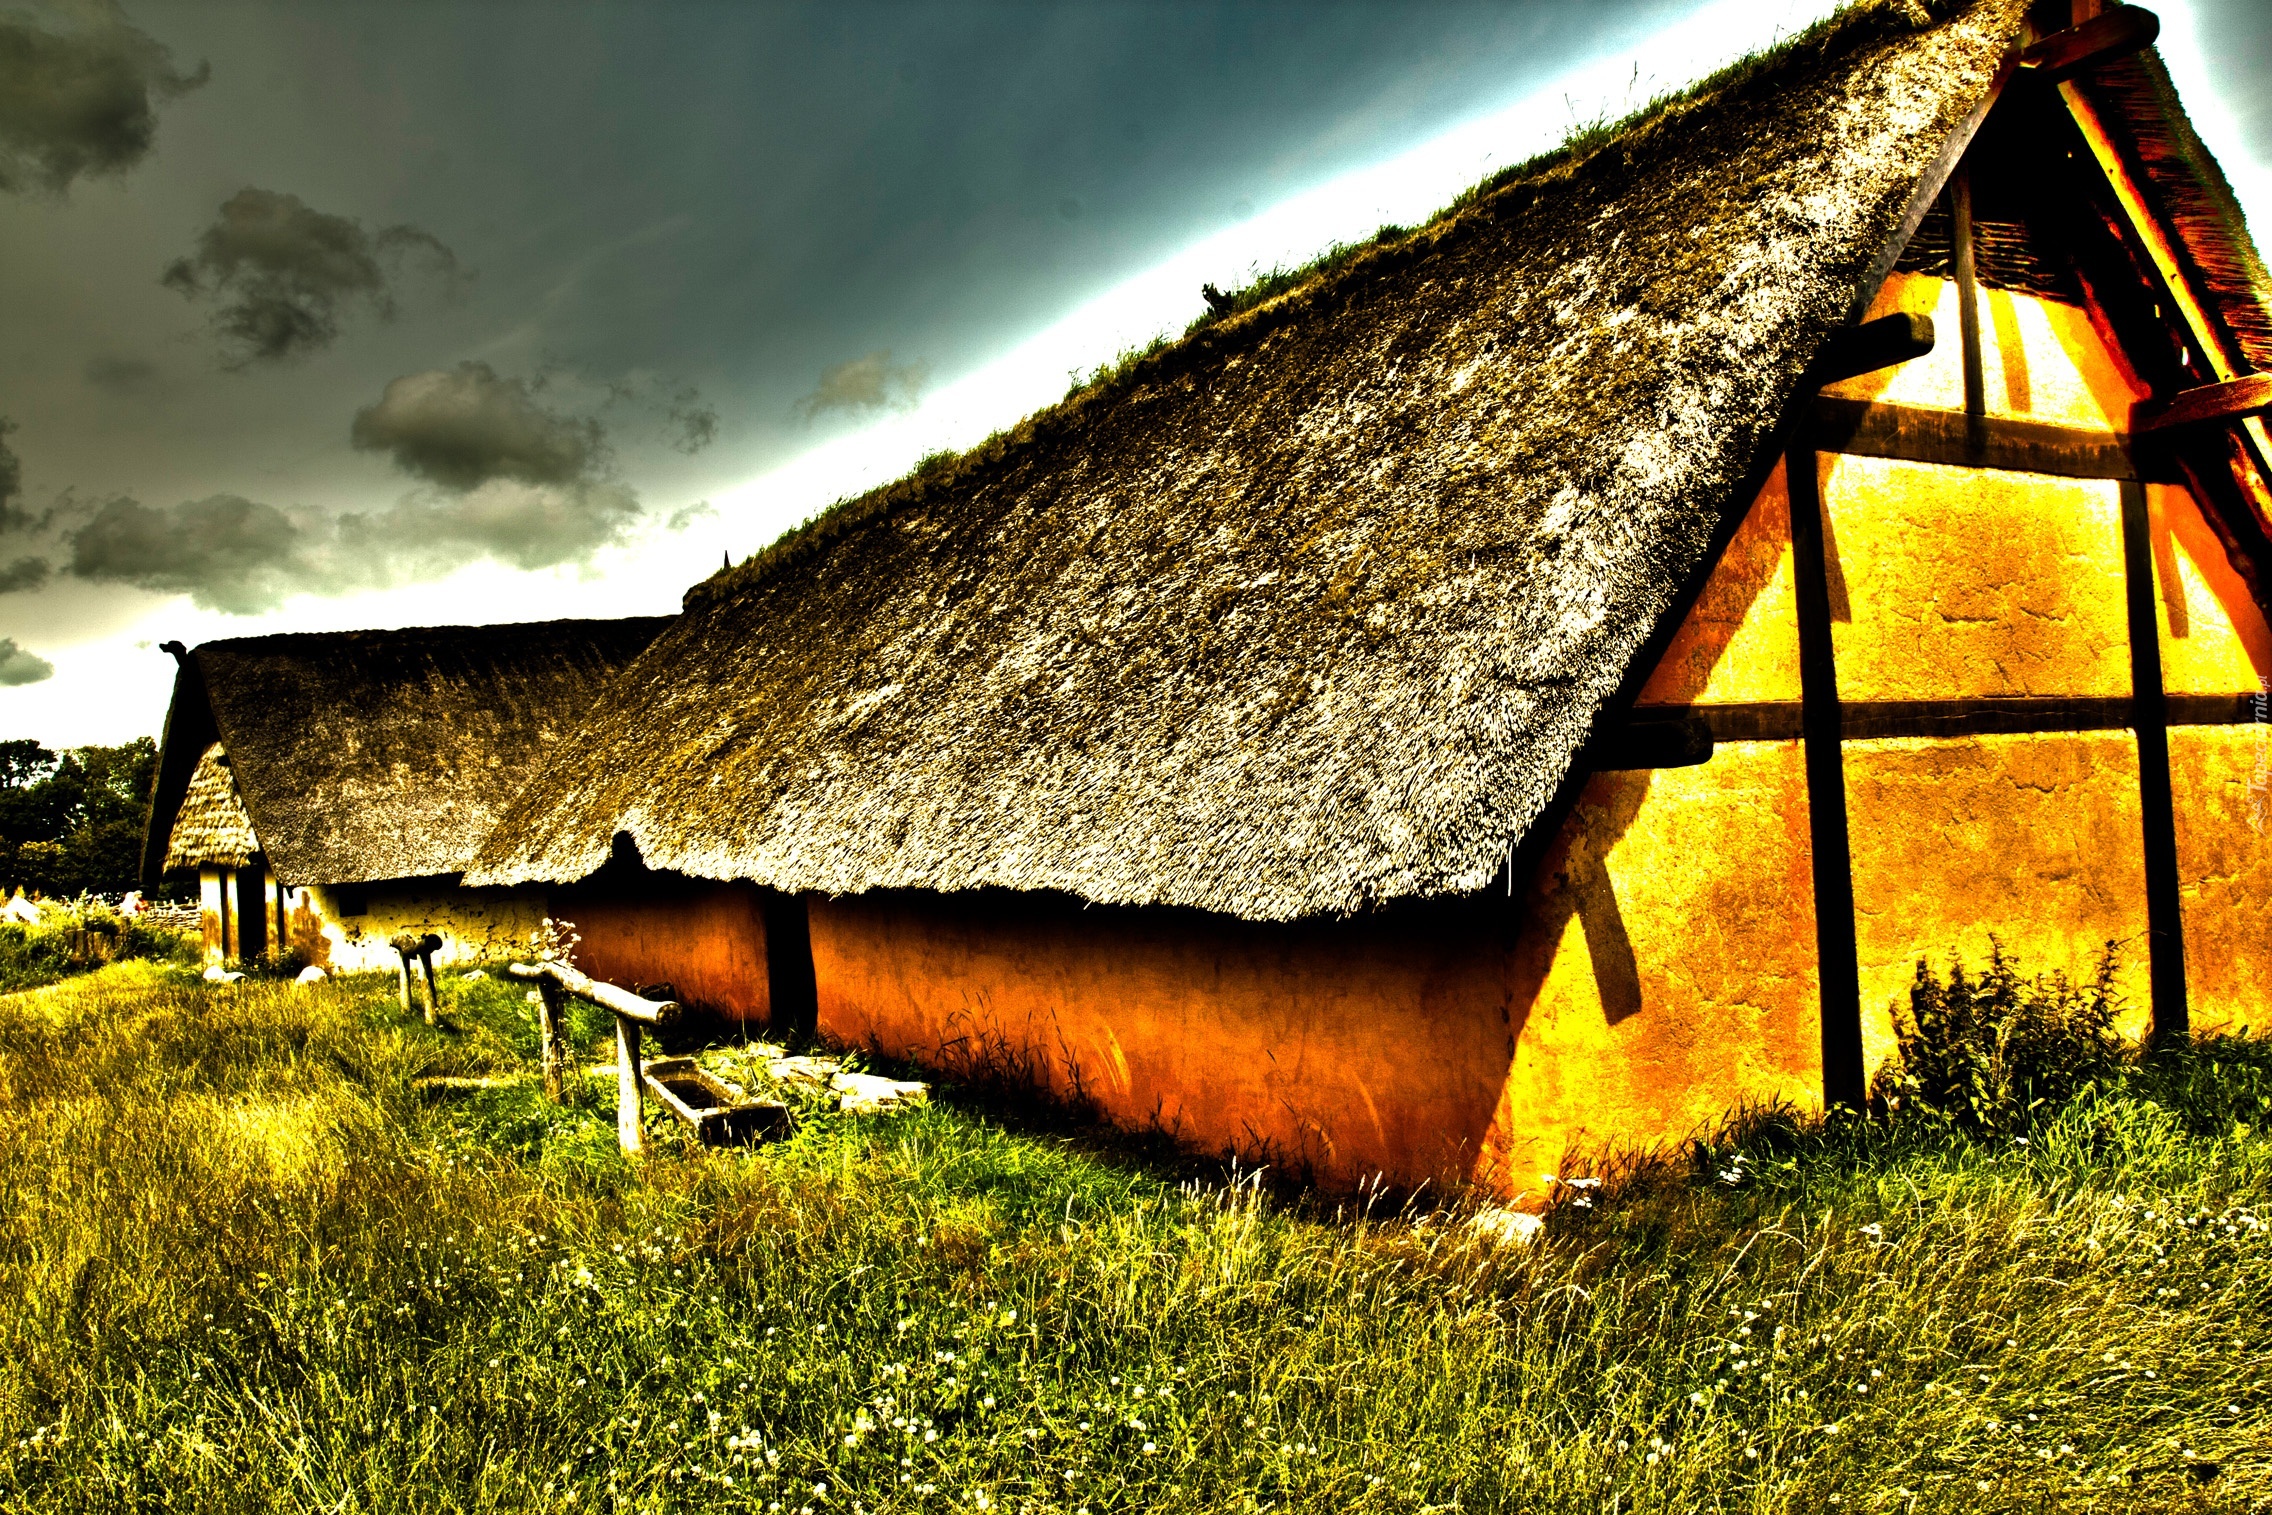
(555, 983)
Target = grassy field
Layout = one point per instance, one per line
(246, 1264)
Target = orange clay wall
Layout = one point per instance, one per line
(1652, 978)
(707, 940)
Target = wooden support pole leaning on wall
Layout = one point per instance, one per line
(1837, 958)
(2165, 909)
(2248, 395)
(632, 1016)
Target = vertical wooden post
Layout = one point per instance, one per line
(433, 989)
(550, 1027)
(1967, 299)
(2165, 906)
(1837, 958)
(405, 979)
(627, 1038)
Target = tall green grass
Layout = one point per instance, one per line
(246, 1262)
(35, 953)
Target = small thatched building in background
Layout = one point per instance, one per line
(329, 788)
(1509, 695)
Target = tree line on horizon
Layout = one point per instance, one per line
(71, 821)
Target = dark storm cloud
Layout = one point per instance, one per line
(463, 427)
(866, 385)
(694, 420)
(281, 273)
(226, 552)
(12, 516)
(24, 573)
(121, 376)
(243, 557)
(76, 91)
(502, 476)
(20, 665)
(518, 481)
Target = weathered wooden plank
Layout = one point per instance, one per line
(2248, 395)
(2124, 30)
(607, 996)
(1914, 434)
(420, 950)
(1967, 298)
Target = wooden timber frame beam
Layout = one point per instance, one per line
(557, 981)
(2232, 396)
(2117, 33)
(2165, 904)
(2205, 405)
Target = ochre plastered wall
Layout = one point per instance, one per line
(1951, 584)
(2035, 839)
(475, 925)
(706, 940)
(1665, 971)
(213, 913)
(1653, 977)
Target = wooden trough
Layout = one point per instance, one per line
(719, 1116)
(712, 1109)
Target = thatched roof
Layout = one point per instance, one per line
(1319, 608)
(365, 755)
(211, 828)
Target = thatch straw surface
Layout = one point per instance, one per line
(365, 755)
(1319, 608)
(211, 828)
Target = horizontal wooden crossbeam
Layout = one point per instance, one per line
(1915, 434)
(2248, 395)
(2118, 33)
(2013, 715)
(1873, 345)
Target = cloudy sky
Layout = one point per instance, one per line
(326, 316)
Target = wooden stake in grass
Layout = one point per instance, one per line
(632, 1016)
(551, 1031)
(421, 948)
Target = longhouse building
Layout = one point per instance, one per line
(329, 789)
(1547, 677)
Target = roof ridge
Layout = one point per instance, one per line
(274, 637)
(1341, 267)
